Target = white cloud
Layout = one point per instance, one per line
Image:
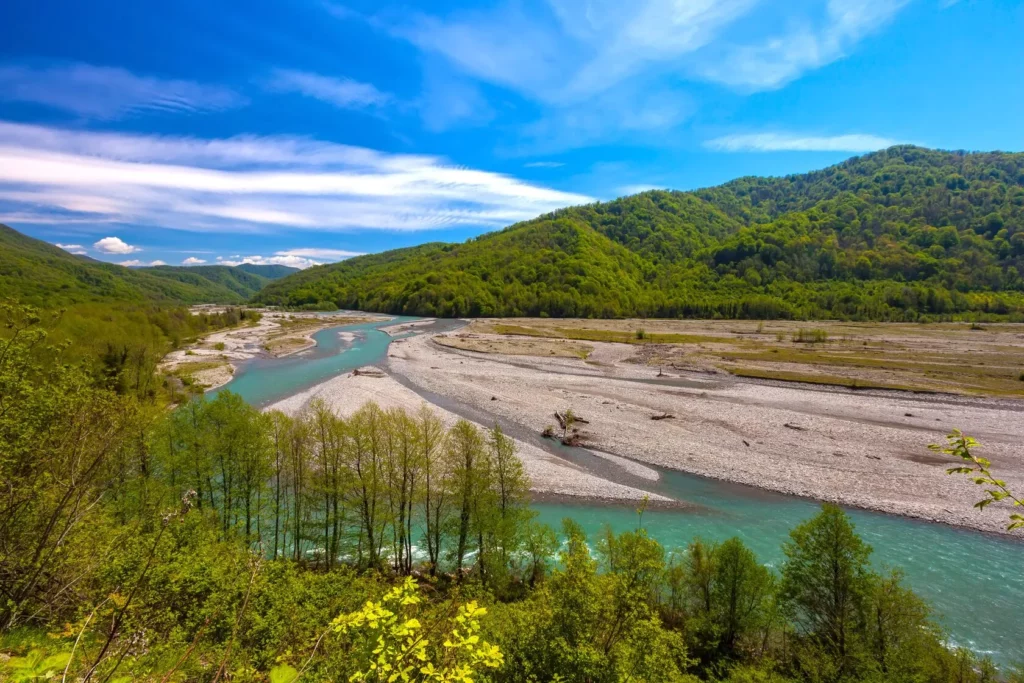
(193, 261)
(73, 248)
(295, 258)
(797, 142)
(158, 262)
(109, 93)
(253, 184)
(114, 245)
(317, 253)
(135, 263)
(544, 164)
(344, 93)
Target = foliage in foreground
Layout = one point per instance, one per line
(217, 543)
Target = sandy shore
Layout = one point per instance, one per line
(549, 475)
(861, 448)
(211, 361)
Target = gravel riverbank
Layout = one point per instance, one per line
(549, 475)
(861, 448)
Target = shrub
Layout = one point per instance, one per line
(813, 336)
(219, 346)
(641, 334)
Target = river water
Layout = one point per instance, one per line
(974, 581)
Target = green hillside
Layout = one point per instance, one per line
(270, 272)
(900, 234)
(122, 320)
(39, 273)
(219, 284)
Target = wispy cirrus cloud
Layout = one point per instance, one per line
(638, 188)
(251, 184)
(810, 43)
(544, 164)
(103, 92)
(798, 142)
(597, 68)
(318, 253)
(72, 248)
(344, 93)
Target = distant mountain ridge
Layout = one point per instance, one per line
(269, 271)
(39, 273)
(899, 234)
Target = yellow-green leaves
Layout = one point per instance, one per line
(390, 643)
(977, 468)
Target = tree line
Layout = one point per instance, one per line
(383, 488)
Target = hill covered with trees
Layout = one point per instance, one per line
(120, 320)
(902, 234)
(39, 273)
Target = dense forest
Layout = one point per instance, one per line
(902, 234)
(220, 543)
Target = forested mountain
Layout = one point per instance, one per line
(894, 235)
(39, 273)
(121, 319)
(216, 284)
(271, 272)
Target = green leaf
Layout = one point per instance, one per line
(282, 673)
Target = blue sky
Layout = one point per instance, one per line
(306, 131)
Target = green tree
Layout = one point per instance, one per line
(826, 581)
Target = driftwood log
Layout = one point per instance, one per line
(663, 416)
(576, 419)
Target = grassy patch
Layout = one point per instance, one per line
(639, 336)
(810, 336)
(519, 347)
(827, 380)
(184, 369)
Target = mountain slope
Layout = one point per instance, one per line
(119, 321)
(222, 284)
(895, 235)
(39, 273)
(270, 272)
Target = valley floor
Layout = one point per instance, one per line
(862, 448)
(866, 448)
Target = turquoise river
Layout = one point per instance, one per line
(974, 581)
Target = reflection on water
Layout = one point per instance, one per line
(974, 581)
